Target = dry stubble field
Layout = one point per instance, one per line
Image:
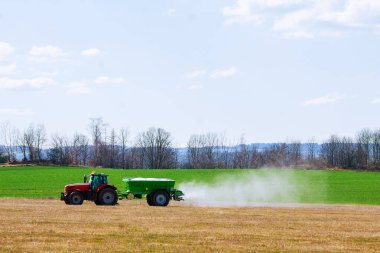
(51, 226)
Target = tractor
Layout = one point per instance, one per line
(96, 189)
(158, 191)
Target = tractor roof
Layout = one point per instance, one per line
(101, 174)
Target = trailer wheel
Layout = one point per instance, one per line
(160, 198)
(76, 198)
(149, 199)
(108, 197)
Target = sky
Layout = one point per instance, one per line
(268, 70)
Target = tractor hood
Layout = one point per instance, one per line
(78, 186)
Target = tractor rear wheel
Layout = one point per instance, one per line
(160, 198)
(108, 197)
(76, 198)
(149, 199)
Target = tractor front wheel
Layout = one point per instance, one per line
(108, 197)
(76, 198)
(160, 198)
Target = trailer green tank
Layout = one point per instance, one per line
(158, 191)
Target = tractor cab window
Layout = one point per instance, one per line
(96, 180)
(105, 180)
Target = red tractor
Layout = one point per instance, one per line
(96, 189)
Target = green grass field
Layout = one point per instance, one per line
(341, 187)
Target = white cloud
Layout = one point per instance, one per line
(194, 87)
(307, 18)
(43, 54)
(34, 59)
(376, 101)
(49, 74)
(46, 51)
(90, 52)
(170, 12)
(196, 73)
(84, 88)
(15, 111)
(109, 80)
(8, 68)
(324, 100)
(78, 88)
(34, 83)
(5, 50)
(220, 73)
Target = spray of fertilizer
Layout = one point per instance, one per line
(251, 189)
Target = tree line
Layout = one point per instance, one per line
(154, 149)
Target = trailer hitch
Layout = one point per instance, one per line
(178, 195)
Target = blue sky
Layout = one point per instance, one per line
(271, 70)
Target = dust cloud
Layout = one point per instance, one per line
(251, 189)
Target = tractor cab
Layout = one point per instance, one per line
(97, 179)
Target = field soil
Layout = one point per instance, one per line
(132, 226)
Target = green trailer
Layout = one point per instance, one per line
(158, 191)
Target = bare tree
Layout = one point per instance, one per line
(194, 151)
(82, 144)
(376, 148)
(9, 136)
(210, 148)
(96, 129)
(136, 154)
(29, 140)
(347, 153)
(242, 155)
(60, 151)
(40, 139)
(123, 140)
(257, 160)
(75, 150)
(23, 146)
(294, 155)
(364, 138)
(202, 150)
(311, 151)
(224, 155)
(329, 151)
(112, 149)
(156, 145)
(275, 155)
